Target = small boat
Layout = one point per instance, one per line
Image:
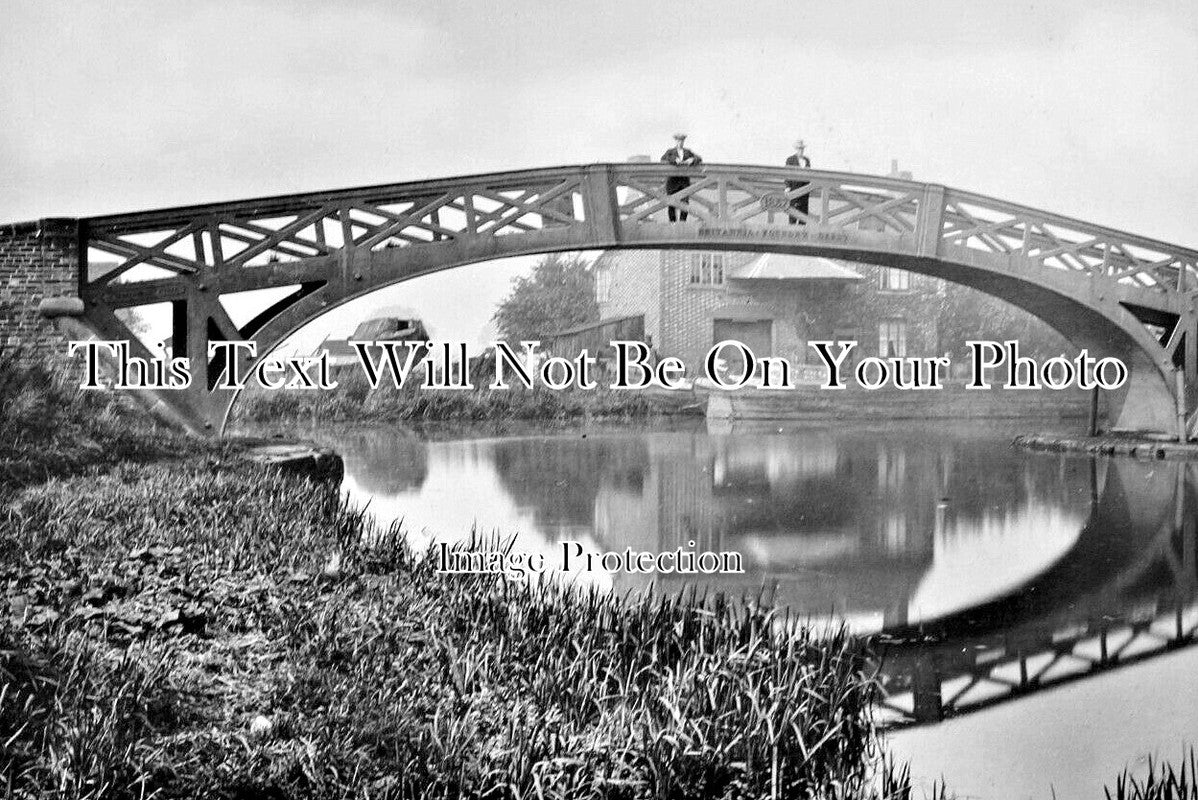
(400, 325)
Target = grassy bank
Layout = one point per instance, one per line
(201, 628)
(353, 400)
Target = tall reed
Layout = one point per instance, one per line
(1161, 781)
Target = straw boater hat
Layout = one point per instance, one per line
(680, 136)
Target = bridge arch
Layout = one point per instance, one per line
(1114, 293)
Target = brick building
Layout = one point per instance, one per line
(774, 303)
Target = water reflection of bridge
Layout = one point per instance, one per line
(1139, 602)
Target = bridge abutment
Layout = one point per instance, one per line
(39, 260)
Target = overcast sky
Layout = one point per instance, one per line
(1089, 109)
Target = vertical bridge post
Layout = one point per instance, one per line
(931, 220)
(601, 205)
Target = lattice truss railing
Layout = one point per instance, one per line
(136, 247)
(131, 249)
(763, 196)
(980, 223)
(1004, 671)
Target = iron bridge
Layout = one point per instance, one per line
(1115, 293)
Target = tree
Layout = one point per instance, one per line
(558, 294)
(967, 314)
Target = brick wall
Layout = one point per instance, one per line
(37, 260)
(688, 309)
(634, 280)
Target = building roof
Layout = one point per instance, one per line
(779, 267)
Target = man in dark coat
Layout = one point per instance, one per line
(799, 204)
(679, 156)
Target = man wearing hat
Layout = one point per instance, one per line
(679, 156)
(799, 204)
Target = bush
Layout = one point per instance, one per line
(354, 401)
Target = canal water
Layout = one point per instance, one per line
(1037, 610)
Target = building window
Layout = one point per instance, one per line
(602, 284)
(707, 269)
(892, 338)
(894, 280)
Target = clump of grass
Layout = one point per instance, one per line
(75, 719)
(48, 426)
(1163, 781)
(893, 782)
